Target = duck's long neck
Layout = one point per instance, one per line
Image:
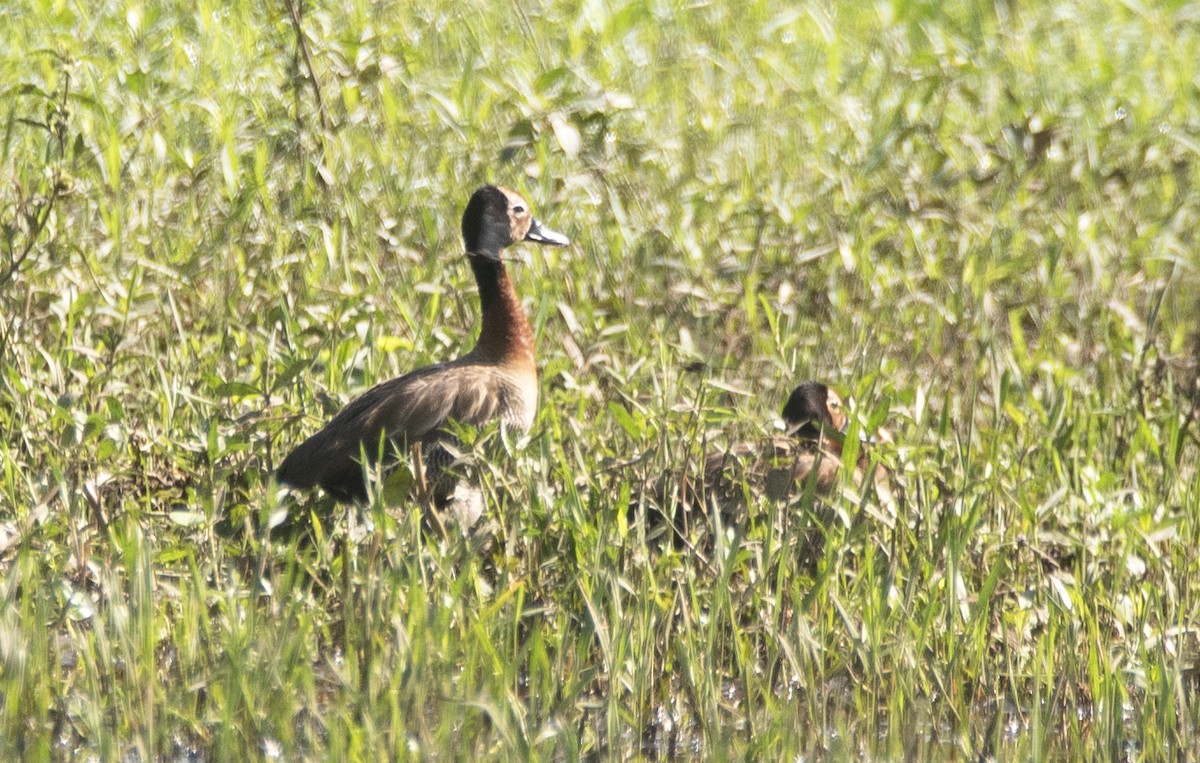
(505, 337)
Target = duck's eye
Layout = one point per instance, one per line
(520, 210)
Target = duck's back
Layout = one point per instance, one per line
(408, 409)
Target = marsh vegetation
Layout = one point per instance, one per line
(222, 220)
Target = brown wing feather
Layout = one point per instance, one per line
(404, 410)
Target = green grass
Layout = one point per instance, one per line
(978, 221)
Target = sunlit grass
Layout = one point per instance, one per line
(975, 221)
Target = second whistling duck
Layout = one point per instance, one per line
(816, 419)
(495, 381)
(810, 453)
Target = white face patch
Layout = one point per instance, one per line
(833, 403)
(519, 217)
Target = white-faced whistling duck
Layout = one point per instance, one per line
(495, 381)
(816, 419)
(810, 451)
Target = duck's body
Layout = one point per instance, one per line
(807, 457)
(495, 381)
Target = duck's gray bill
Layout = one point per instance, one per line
(545, 235)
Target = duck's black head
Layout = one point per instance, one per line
(498, 217)
(813, 407)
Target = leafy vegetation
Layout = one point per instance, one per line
(221, 220)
